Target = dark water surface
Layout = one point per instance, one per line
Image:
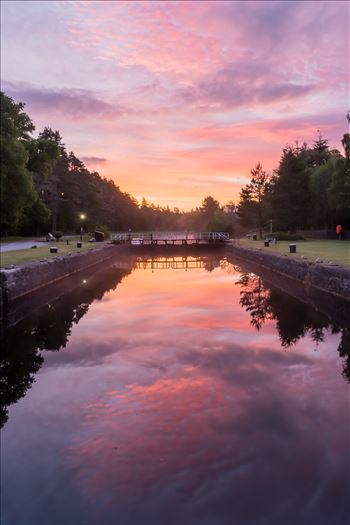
(177, 391)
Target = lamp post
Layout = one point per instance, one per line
(82, 217)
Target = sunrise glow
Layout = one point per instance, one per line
(179, 100)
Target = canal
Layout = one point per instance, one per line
(178, 391)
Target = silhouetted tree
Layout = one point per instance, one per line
(251, 202)
(290, 194)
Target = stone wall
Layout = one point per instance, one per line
(18, 281)
(328, 278)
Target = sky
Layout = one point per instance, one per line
(179, 100)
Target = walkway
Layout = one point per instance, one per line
(166, 238)
(20, 245)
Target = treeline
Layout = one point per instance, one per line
(310, 189)
(45, 188)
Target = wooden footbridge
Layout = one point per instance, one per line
(169, 238)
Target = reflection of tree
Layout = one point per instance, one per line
(18, 366)
(230, 268)
(255, 299)
(294, 319)
(47, 329)
(344, 351)
(210, 263)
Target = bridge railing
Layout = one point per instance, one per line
(169, 236)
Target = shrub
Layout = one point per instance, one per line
(58, 235)
(285, 236)
(103, 228)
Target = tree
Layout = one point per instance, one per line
(17, 190)
(15, 123)
(290, 193)
(44, 153)
(346, 140)
(246, 208)
(320, 152)
(208, 213)
(35, 218)
(251, 204)
(339, 192)
(322, 215)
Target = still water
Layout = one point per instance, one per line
(176, 391)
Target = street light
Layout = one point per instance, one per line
(82, 217)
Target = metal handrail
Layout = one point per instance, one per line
(169, 236)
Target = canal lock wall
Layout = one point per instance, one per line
(332, 279)
(19, 281)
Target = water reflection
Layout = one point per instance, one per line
(179, 263)
(50, 327)
(293, 322)
(47, 328)
(172, 401)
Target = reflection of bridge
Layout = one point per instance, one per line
(171, 263)
(169, 238)
(176, 264)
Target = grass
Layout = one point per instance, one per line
(325, 251)
(17, 257)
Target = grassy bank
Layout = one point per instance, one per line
(17, 257)
(324, 251)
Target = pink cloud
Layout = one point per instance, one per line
(72, 103)
(276, 130)
(149, 34)
(189, 91)
(93, 161)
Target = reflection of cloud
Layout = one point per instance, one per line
(85, 352)
(235, 364)
(233, 429)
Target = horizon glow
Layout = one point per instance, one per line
(179, 100)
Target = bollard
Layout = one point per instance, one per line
(67, 242)
(53, 249)
(79, 244)
(266, 243)
(292, 248)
